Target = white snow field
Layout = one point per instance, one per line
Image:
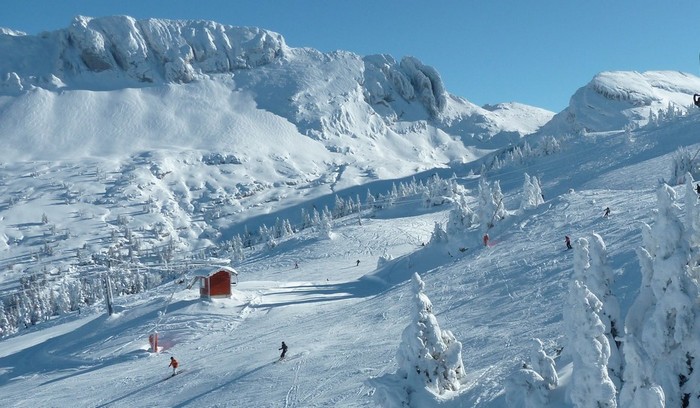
(117, 166)
(343, 322)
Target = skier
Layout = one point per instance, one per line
(358, 263)
(696, 100)
(607, 212)
(568, 242)
(697, 188)
(486, 239)
(284, 350)
(173, 364)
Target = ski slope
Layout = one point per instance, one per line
(343, 321)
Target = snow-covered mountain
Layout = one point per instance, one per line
(329, 97)
(164, 100)
(613, 100)
(137, 149)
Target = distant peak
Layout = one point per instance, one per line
(9, 31)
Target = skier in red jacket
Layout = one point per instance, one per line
(173, 364)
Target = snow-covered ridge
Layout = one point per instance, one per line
(141, 51)
(615, 99)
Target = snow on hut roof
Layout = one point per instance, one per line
(209, 270)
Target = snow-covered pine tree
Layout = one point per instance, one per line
(591, 268)
(529, 386)
(461, 217)
(590, 384)
(237, 252)
(690, 384)
(5, 328)
(59, 299)
(429, 357)
(325, 227)
(543, 364)
(532, 193)
(370, 201)
(538, 189)
(639, 389)
(692, 221)
(393, 196)
(662, 322)
(315, 218)
(339, 209)
(525, 388)
(278, 229)
(681, 164)
(247, 237)
(548, 145)
(305, 219)
(498, 199)
(287, 226)
(439, 235)
(490, 201)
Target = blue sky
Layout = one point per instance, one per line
(537, 52)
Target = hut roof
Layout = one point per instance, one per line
(209, 270)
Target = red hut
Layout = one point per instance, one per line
(215, 282)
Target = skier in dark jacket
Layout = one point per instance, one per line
(284, 350)
(568, 242)
(607, 212)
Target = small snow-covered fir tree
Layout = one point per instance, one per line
(428, 356)
(682, 163)
(461, 217)
(490, 201)
(590, 384)
(532, 193)
(325, 227)
(370, 201)
(548, 145)
(543, 364)
(439, 235)
(526, 388)
(305, 219)
(530, 385)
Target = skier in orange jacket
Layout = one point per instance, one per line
(173, 364)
